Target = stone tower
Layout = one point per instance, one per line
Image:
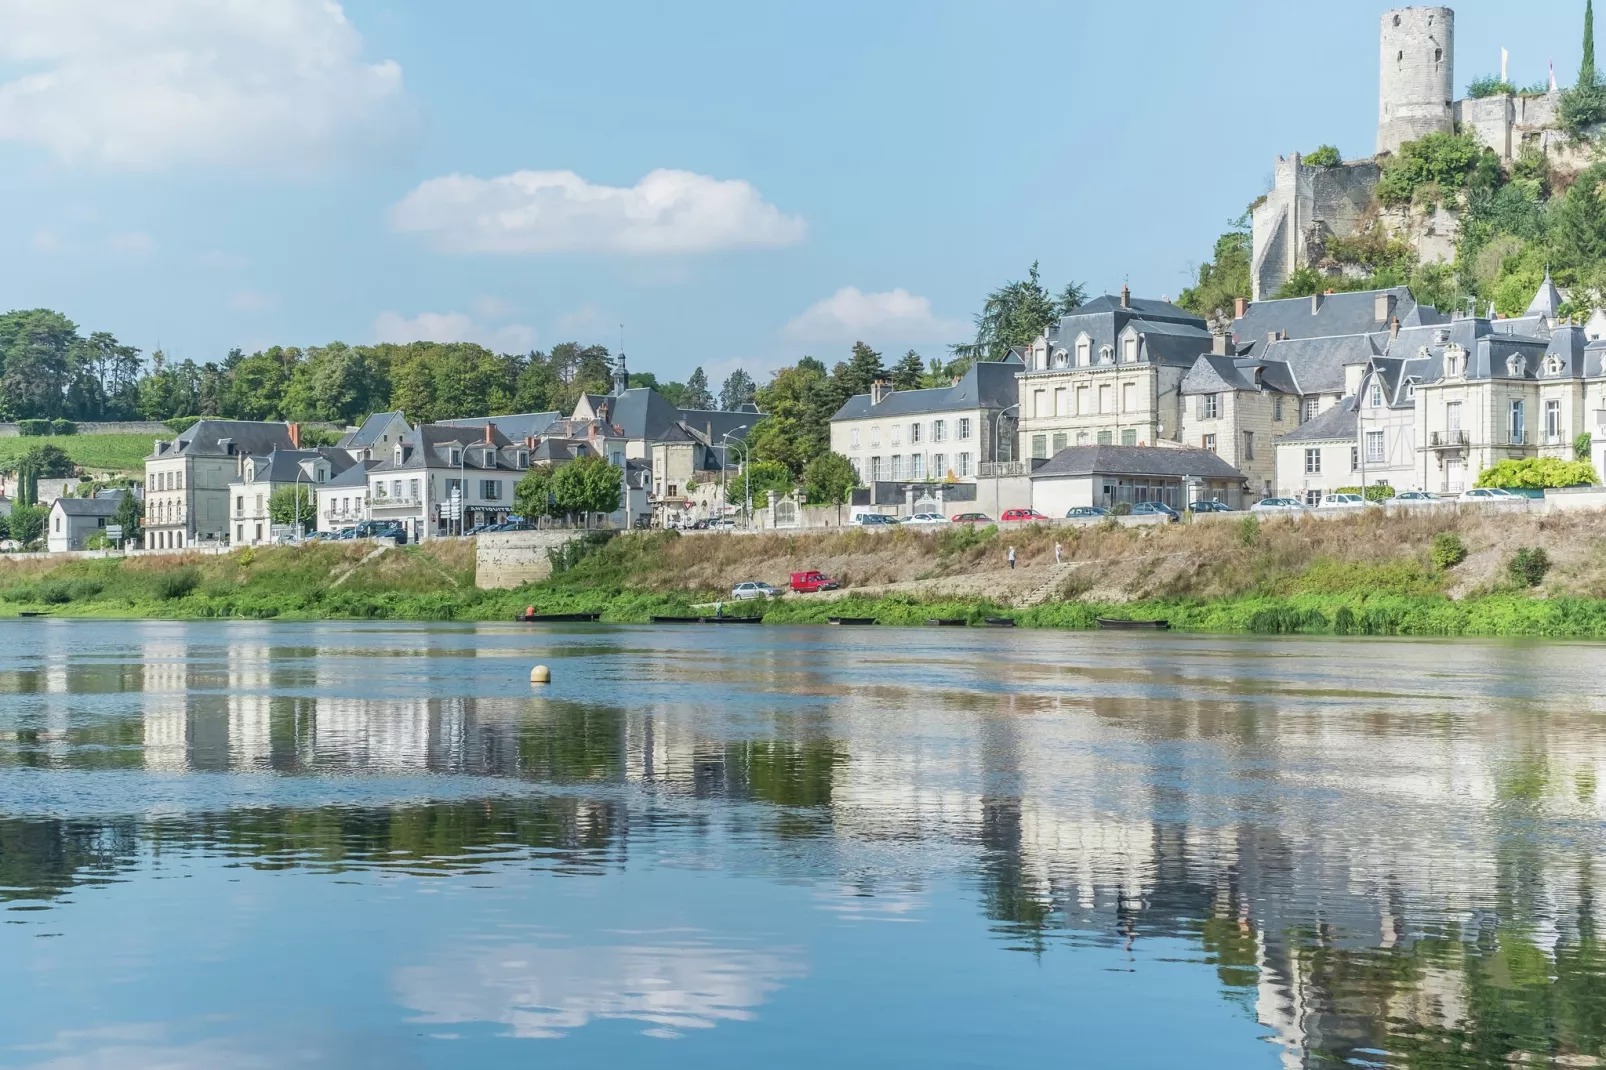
(1416, 88)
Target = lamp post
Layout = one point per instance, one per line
(296, 493)
(747, 475)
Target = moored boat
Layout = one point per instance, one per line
(1116, 624)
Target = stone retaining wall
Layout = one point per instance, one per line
(509, 558)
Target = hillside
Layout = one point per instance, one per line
(98, 453)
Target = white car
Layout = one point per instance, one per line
(1278, 505)
(1490, 496)
(745, 592)
(1413, 497)
(926, 518)
(1344, 501)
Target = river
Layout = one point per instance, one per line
(264, 845)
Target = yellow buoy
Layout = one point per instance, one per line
(540, 675)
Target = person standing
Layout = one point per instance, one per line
(1056, 553)
(1011, 557)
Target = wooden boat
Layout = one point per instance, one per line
(1118, 625)
(1000, 622)
(947, 622)
(732, 620)
(851, 620)
(558, 618)
(30, 613)
(676, 620)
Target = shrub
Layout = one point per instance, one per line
(1448, 550)
(1324, 156)
(1249, 530)
(1378, 492)
(1490, 86)
(33, 428)
(1581, 108)
(1537, 472)
(1442, 159)
(1582, 445)
(176, 584)
(1121, 509)
(63, 427)
(1528, 566)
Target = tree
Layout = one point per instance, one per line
(1578, 223)
(587, 485)
(909, 373)
(47, 461)
(1016, 314)
(798, 405)
(1324, 156)
(35, 348)
(533, 497)
(1586, 69)
(828, 478)
(759, 478)
(1226, 277)
(739, 390)
(697, 395)
(130, 511)
(294, 505)
(28, 523)
(860, 372)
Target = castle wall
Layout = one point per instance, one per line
(1305, 205)
(1507, 124)
(1417, 75)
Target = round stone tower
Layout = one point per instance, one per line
(1416, 89)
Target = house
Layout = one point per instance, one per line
(1320, 455)
(933, 435)
(1126, 475)
(72, 521)
(375, 437)
(435, 465)
(686, 470)
(1237, 407)
(187, 478)
(343, 500)
(260, 477)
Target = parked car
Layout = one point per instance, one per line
(1343, 501)
(811, 581)
(381, 529)
(1155, 509)
(1017, 515)
(971, 518)
(875, 520)
(1086, 512)
(724, 523)
(1491, 496)
(1209, 507)
(743, 592)
(926, 518)
(1414, 497)
(1278, 505)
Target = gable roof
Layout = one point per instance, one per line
(1212, 373)
(516, 426)
(355, 475)
(987, 385)
(281, 466)
(1328, 315)
(1336, 424)
(89, 506)
(372, 428)
(203, 438)
(1171, 461)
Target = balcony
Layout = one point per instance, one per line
(1447, 440)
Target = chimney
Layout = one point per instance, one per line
(1218, 345)
(1394, 329)
(1271, 336)
(295, 435)
(489, 428)
(1383, 307)
(1126, 296)
(1239, 307)
(1315, 303)
(878, 390)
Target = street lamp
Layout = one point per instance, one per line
(747, 475)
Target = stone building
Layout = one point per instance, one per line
(1237, 408)
(187, 478)
(1416, 75)
(251, 492)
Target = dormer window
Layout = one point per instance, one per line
(1516, 366)
(1129, 349)
(1410, 391)
(1106, 355)
(1060, 358)
(1455, 361)
(1084, 352)
(454, 457)
(1377, 395)
(1553, 365)
(398, 455)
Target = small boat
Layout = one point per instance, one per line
(851, 620)
(1115, 624)
(946, 622)
(732, 620)
(558, 618)
(1000, 622)
(30, 613)
(676, 620)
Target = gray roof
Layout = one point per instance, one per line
(1144, 307)
(90, 506)
(1547, 300)
(203, 438)
(1212, 373)
(987, 385)
(368, 434)
(1317, 364)
(1328, 315)
(1171, 335)
(355, 475)
(1163, 461)
(517, 426)
(429, 445)
(1337, 424)
(281, 466)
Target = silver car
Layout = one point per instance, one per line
(926, 518)
(1279, 505)
(746, 592)
(1490, 496)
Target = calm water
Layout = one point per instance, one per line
(337, 845)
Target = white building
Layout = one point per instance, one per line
(187, 478)
(251, 493)
(73, 521)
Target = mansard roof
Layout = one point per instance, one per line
(1329, 315)
(1336, 424)
(1212, 373)
(987, 385)
(1317, 364)
(206, 438)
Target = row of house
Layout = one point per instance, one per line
(1297, 398)
(215, 481)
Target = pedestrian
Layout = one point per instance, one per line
(1011, 557)
(1056, 553)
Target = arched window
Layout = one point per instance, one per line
(1553, 365)
(1059, 358)
(1516, 367)
(1106, 355)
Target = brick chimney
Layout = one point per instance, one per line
(1383, 307)
(1218, 345)
(295, 435)
(489, 428)
(878, 390)
(1126, 296)
(1239, 307)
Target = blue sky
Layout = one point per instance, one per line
(199, 175)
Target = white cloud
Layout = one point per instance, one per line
(452, 327)
(897, 316)
(558, 212)
(280, 84)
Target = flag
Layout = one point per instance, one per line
(1552, 76)
(1505, 60)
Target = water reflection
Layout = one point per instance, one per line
(1400, 875)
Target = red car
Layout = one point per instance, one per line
(811, 581)
(971, 518)
(1023, 514)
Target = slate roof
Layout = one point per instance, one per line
(1335, 314)
(281, 466)
(1173, 335)
(368, 434)
(1144, 307)
(1212, 373)
(1174, 462)
(987, 385)
(517, 426)
(356, 475)
(1547, 300)
(1337, 424)
(90, 506)
(201, 439)
(1317, 364)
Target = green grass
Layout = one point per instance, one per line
(113, 453)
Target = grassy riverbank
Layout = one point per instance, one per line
(1370, 574)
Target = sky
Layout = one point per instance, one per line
(730, 184)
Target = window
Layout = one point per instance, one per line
(875, 434)
(1553, 365)
(875, 469)
(1084, 352)
(1208, 442)
(1410, 391)
(1552, 421)
(178, 480)
(239, 533)
(1312, 407)
(1106, 438)
(617, 458)
(1106, 397)
(1081, 438)
(1376, 398)
(896, 467)
(1277, 408)
(1129, 397)
(1313, 497)
(1106, 355)
(917, 467)
(395, 488)
(1516, 423)
(939, 430)
(58, 523)
(259, 506)
(1374, 447)
(454, 457)
(412, 490)
(239, 505)
(964, 428)
(939, 466)
(964, 464)
(1249, 446)
(853, 438)
(1452, 416)
(1059, 358)
(1313, 462)
(1061, 440)
(491, 489)
(259, 534)
(1516, 366)
(1039, 403)
(914, 434)
(1209, 406)
(1129, 350)
(454, 488)
(897, 434)
(1061, 400)
(1129, 436)
(1039, 447)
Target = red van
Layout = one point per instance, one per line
(809, 582)
(1022, 514)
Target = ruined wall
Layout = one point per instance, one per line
(510, 558)
(1305, 205)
